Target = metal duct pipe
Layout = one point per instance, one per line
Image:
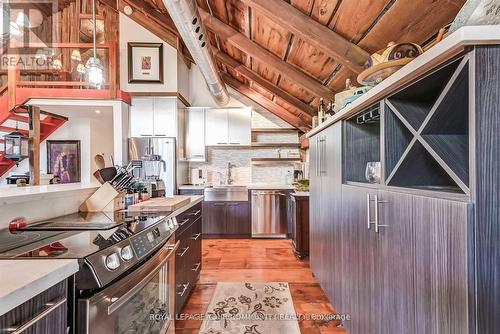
(185, 15)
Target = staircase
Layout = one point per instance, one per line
(8, 120)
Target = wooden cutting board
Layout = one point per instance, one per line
(161, 204)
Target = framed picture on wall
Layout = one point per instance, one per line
(64, 160)
(145, 62)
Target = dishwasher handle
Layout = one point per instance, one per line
(264, 193)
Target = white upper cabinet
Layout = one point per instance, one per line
(216, 127)
(240, 126)
(165, 121)
(195, 134)
(153, 116)
(228, 126)
(141, 117)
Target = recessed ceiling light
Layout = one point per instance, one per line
(97, 111)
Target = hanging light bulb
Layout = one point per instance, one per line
(76, 55)
(94, 67)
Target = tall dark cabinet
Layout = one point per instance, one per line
(416, 252)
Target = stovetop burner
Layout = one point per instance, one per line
(72, 236)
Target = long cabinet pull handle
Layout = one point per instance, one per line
(52, 307)
(184, 289)
(196, 236)
(196, 267)
(368, 201)
(195, 213)
(377, 225)
(181, 254)
(184, 222)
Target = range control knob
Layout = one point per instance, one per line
(126, 253)
(112, 261)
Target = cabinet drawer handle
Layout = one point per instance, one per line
(377, 225)
(145, 135)
(184, 289)
(196, 236)
(198, 155)
(368, 201)
(184, 222)
(160, 135)
(196, 267)
(195, 213)
(234, 143)
(221, 143)
(52, 306)
(219, 204)
(183, 252)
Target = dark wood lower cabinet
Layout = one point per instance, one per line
(227, 220)
(45, 313)
(188, 257)
(300, 225)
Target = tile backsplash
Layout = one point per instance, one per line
(243, 172)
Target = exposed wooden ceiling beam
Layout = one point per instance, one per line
(254, 50)
(268, 85)
(312, 32)
(279, 111)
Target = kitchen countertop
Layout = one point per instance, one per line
(300, 193)
(251, 186)
(12, 192)
(27, 278)
(192, 187)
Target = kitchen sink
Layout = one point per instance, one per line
(226, 193)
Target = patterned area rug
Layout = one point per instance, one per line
(251, 308)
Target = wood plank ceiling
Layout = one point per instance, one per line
(291, 53)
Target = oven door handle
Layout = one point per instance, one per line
(132, 292)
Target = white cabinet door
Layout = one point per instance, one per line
(216, 127)
(240, 126)
(141, 117)
(195, 134)
(165, 121)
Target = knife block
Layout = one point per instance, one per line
(106, 199)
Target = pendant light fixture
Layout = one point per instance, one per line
(94, 67)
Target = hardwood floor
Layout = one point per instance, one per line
(259, 260)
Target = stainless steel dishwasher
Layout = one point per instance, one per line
(269, 214)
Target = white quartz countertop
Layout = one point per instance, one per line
(301, 193)
(21, 280)
(270, 186)
(193, 187)
(13, 191)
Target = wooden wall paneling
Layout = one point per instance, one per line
(486, 185)
(314, 32)
(269, 34)
(256, 51)
(305, 6)
(264, 71)
(355, 17)
(261, 82)
(410, 21)
(291, 87)
(312, 61)
(298, 121)
(323, 10)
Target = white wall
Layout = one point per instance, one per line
(183, 77)
(133, 32)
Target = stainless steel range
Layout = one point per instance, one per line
(126, 280)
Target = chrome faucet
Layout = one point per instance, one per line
(229, 180)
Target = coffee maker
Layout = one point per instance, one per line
(298, 171)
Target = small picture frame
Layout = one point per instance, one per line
(145, 62)
(64, 160)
